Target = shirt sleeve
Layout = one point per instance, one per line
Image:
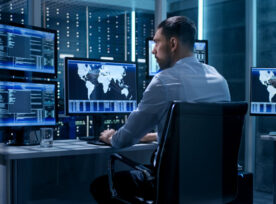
(148, 114)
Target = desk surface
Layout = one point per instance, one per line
(268, 137)
(64, 148)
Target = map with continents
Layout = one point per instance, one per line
(268, 79)
(106, 82)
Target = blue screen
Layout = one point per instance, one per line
(152, 63)
(24, 49)
(27, 104)
(100, 87)
(200, 51)
(263, 91)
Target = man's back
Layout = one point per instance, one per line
(191, 81)
(188, 80)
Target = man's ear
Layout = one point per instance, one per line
(174, 44)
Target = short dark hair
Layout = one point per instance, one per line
(180, 27)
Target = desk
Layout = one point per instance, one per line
(10, 156)
(272, 138)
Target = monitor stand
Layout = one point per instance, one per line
(21, 136)
(97, 124)
(97, 129)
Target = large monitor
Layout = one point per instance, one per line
(27, 49)
(200, 52)
(263, 91)
(27, 104)
(95, 86)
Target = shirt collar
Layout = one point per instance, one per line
(187, 60)
(181, 61)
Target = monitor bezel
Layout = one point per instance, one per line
(66, 102)
(147, 56)
(36, 82)
(24, 74)
(250, 99)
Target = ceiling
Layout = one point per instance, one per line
(126, 4)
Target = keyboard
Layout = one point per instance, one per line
(92, 140)
(97, 142)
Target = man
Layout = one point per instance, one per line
(182, 78)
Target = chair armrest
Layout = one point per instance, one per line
(135, 165)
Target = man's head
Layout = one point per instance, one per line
(174, 40)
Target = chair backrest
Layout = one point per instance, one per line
(198, 153)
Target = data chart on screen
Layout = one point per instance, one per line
(27, 50)
(27, 104)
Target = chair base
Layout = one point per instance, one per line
(245, 189)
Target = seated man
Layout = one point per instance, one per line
(182, 77)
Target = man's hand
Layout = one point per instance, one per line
(150, 137)
(106, 136)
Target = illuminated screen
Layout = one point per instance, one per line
(100, 86)
(28, 50)
(27, 104)
(201, 51)
(152, 63)
(263, 91)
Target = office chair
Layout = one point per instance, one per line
(197, 157)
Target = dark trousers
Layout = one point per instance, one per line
(128, 184)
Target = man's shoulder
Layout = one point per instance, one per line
(212, 70)
(163, 76)
(165, 73)
(155, 82)
(183, 71)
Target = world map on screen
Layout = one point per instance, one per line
(107, 79)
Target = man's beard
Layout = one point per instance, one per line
(167, 62)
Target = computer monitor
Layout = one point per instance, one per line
(95, 86)
(200, 52)
(153, 66)
(263, 91)
(27, 104)
(27, 49)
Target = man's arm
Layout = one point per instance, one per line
(106, 136)
(150, 137)
(151, 109)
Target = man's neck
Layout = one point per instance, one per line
(181, 56)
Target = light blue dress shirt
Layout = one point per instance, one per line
(188, 80)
